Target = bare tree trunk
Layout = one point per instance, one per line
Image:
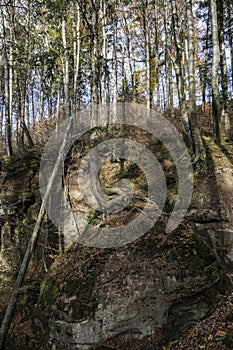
(230, 38)
(199, 149)
(66, 70)
(23, 127)
(7, 92)
(147, 57)
(215, 83)
(11, 80)
(123, 73)
(179, 70)
(204, 71)
(95, 55)
(225, 119)
(77, 48)
(115, 70)
(41, 99)
(58, 104)
(168, 61)
(130, 62)
(7, 109)
(104, 73)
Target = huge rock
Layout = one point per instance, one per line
(93, 295)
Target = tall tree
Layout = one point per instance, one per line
(66, 68)
(199, 149)
(7, 96)
(215, 80)
(179, 69)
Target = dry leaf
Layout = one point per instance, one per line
(221, 334)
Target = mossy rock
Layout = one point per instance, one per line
(202, 250)
(48, 291)
(228, 341)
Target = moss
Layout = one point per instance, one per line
(202, 250)
(228, 341)
(48, 291)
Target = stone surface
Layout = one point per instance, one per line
(128, 293)
(90, 296)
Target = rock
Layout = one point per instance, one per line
(205, 215)
(225, 283)
(98, 295)
(187, 313)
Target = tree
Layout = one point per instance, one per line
(215, 80)
(179, 70)
(199, 149)
(7, 97)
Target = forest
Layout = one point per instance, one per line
(165, 65)
(59, 56)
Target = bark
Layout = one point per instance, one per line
(41, 100)
(7, 96)
(224, 78)
(77, 49)
(199, 149)
(156, 67)
(7, 101)
(230, 37)
(66, 69)
(95, 55)
(179, 70)
(124, 84)
(22, 109)
(147, 56)
(114, 70)
(215, 81)
(104, 72)
(58, 104)
(128, 44)
(204, 71)
(168, 61)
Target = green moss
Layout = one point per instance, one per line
(202, 250)
(48, 291)
(228, 341)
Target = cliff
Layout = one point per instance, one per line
(155, 292)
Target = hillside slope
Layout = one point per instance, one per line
(144, 295)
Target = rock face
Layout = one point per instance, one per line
(151, 290)
(19, 204)
(128, 293)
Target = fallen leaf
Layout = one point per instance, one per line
(221, 334)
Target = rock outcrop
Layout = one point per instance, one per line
(140, 296)
(129, 292)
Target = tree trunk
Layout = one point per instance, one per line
(199, 149)
(41, 99)
(115, 71)
(77, 48)
(179, 70)
(7, 107)
(224, 78)
(168, 61)
(230, 38)
(7, 99)
(147, 56)
(66, 69)
(215, 82)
